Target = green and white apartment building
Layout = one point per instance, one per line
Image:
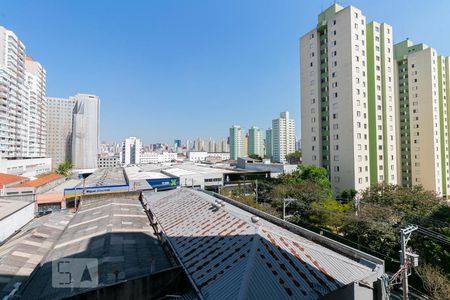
(373, 111)
(422, 80)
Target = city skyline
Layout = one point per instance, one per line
(265, 53)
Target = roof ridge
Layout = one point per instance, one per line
(244, 287)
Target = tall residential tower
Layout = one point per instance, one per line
(347, 99)
(237, 142)
(283, 139)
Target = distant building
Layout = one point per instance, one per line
(177, 143)
(131, 151)
(59, 129)
(269, 143)
(157, 158)
(283, 130)
(211, 146)
(237, 140)
(255, 141)
(106, 160)
(85, 138)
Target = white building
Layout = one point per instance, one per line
(106, 160)
(27, 167)
(422, 101)
(59, 129)
(157, 158)
(283, 135)
(329, 135)
(131, 151)
(22, 89)
(85, 137)
(37, 121)
(237, 142)
(255, 141)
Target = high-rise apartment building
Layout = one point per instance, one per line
(211, 146)
(37, 121)
(131, 151)
(59, 129)
(269, 143)
(382, 112)
(348, 93)
(85, 138)
(423, 82)
(255, 141)
(283, 131)
(22, 101)
(237, 142)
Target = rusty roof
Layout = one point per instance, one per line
(230, 256)
(40, 181)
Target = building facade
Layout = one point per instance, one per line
(237, 142)
(59, 129)
(422, 78)
(269, 143)
(22, 101)
(131, 151)
(283, 131)
(335, 100)
(85, 137)
(255, 142)
(37, 121)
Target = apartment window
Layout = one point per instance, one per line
(356, 15)
(334, 32)
(335, 116)
(336, 158)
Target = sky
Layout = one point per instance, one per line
(167, 69)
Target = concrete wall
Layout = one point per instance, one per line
(17, 220)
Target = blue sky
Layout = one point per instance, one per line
(168, 69)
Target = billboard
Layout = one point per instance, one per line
(95, 190)
(164, 183)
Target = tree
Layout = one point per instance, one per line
(294, 157)
(64, 168)
(329, 213)
(378, 236)
(405, 202)
(434, 281)
(255, 156)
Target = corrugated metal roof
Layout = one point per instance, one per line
(230, 257)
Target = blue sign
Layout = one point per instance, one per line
(164, 183)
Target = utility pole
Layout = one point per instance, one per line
(405, 234)
(256, 193)
(289, 201)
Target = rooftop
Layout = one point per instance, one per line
(106, 177)
(23, 252)
(11, 204)
(136, 173)
(113, 229)
(230, 253)
(9, 178)
(40, 181)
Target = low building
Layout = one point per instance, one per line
(139, 179)
(37, 186)
(15, 212)
(200, 156)
(275, 169)
(27, 167)
(106, 160)
(157, 158)
(8, 180)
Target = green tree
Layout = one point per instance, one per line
(294, 157)
(255, 156)
(329, 213)
(64, 168)
(378, 236)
